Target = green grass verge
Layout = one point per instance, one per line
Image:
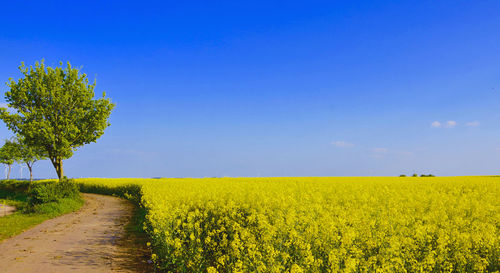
(21, 220)
(16, 199)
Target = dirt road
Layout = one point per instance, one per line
(6, 210)
(93, 239)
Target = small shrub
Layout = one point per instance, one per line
(131, 192)
(14, 186)
(46, 192)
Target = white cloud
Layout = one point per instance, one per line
(451, 124)
(342, 144)
(380, 150)
(436, 124)
(448, 124)
(472, 123)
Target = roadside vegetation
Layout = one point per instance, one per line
(35, 203)
(351, 224)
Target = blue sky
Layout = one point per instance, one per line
(310, 88)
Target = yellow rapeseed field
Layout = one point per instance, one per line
(312, 224)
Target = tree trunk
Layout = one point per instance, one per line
(31, 172)
(60, 172)
(8, 174)
(58, 165)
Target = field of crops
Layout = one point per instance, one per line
(449, 224)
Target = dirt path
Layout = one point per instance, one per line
(93, 239)
(6, 210)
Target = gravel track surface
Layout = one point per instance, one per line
(6, 210)
(93, 239)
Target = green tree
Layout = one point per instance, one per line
(55, 109)
(28, 155)
(8, 155)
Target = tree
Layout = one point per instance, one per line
(55, 109)
(8, 155)
(28, 154)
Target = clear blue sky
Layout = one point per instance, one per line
(332, 88)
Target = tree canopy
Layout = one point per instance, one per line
(54, 109)
(27, 154)
(8, 155)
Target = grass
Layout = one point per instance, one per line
(22, 220)
(15, 199)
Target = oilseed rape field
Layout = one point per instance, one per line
(350, 224)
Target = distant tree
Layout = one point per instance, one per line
(415, 175)
(54, 108)
(402, 175)
(8, 155)
(28, 155)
